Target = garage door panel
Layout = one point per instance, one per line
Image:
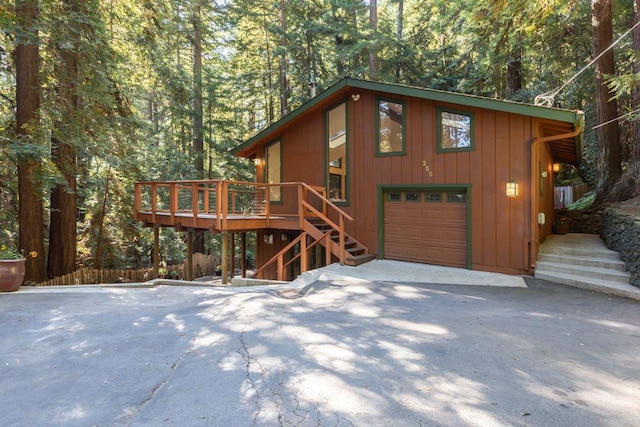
(427, 232)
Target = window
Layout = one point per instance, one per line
(273, 170)
(456, 197)
(390, 127)
(455, 131)
(394, 197)
(337, 159)
(412, 196)
(433, 197)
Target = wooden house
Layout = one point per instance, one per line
(369, 169)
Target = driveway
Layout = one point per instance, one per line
(335, 353)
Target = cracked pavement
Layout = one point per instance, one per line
(332, 354)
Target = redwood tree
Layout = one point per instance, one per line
(609, 169)
(62, 230)
(30, 207)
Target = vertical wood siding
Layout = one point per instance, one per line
(499, 225)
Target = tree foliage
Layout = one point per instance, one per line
(136, 106)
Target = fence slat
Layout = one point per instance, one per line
(204, 264)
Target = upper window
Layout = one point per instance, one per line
(390, 127)
(273, 175)
(337, 158)
(455, 130)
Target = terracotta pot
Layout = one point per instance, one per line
(11, 274)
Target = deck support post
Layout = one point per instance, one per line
(232, 260)
(225, 257)
(189, 271)
(243, 249)
(156, 250)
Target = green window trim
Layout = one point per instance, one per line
(440, 111)
(275, 195)
(403, 150)
(341, 163)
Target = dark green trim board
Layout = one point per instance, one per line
(472, 130)
(266, 165)
(403, 151)
(347, 186)
(423, 187)
(568, 116)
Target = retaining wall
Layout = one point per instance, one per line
(621, 233)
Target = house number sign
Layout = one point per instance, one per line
(427, 168)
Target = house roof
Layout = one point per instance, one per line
(567, 150)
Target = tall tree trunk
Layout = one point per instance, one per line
(62, 230)
(609, 169)
(514, 69)
(284, 86)
(373, 52)
(399, 39)
(30, 206)
(198, 138)
(635, 147)
(102, 213)
(628, 185)
(269, 71)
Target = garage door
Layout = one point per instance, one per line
(426, 226)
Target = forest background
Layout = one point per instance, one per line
(96, 94)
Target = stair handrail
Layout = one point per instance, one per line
(326, 236)
(279, 257)
(342, 215)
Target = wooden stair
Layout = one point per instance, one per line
(356, 252)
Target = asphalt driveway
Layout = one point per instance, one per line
(333, 354)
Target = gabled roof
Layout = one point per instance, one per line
(571, 117)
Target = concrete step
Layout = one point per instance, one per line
(577, 245)
(591, 284)
(583, 271)
(593, 261)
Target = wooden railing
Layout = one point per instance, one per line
(220, 199)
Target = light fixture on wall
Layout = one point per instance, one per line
(512, 188)
(556, 167)
(268, 239)
(257, 161)
(355, 97)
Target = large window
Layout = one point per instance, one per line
(337, 160)
(273, 170)
(455, 131)
(390, 127)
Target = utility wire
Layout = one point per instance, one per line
(616, 119)
(546, 99)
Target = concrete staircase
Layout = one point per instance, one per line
(584, 261)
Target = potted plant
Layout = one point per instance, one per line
(162, 271)
(12, 268)
(218, 270)
(561, 225)
(173, 274)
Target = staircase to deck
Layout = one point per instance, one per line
(584, 261)
(355, 252)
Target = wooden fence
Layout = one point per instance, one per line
(567, 194)
(203, 265)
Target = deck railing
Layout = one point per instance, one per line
(221, 201)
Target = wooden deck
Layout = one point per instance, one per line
(228, 207)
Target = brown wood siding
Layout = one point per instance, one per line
(499, 225)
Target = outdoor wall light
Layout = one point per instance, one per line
(268, 239)
(556, 167)
(355, 97)
(257, 161)
(512, 188)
